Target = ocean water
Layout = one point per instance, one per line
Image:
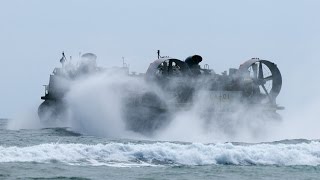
(59, 153)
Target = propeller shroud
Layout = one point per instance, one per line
(263, 73)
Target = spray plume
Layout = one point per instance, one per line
(96, 103)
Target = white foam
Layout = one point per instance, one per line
(164, 153)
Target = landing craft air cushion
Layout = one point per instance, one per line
(249, 91)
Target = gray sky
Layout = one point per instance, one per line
(226, 33)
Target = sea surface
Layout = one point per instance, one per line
(59, 153)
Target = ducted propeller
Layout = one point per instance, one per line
(265, 75)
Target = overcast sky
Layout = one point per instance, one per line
(33, 34)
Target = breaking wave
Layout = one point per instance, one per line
(165, 153)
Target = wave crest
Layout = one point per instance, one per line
(165, 153)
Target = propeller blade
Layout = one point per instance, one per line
(265, 90)
(260, 71)
(268, 78)
(255, 70)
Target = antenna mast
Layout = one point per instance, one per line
(63, 59)
(158, 54)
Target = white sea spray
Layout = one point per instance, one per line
(165, 153)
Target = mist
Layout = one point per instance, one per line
(95, 105)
